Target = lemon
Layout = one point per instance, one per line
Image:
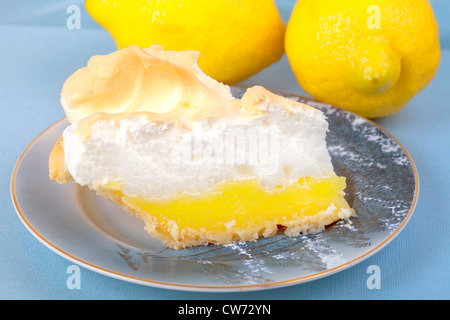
(236, 39)
(370, 57)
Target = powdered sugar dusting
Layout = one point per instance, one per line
(352, 156)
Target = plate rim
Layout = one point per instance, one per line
(211, 288)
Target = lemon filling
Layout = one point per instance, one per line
(244, 205)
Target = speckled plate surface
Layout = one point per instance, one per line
(88, 230)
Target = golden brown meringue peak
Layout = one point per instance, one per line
(166, 85)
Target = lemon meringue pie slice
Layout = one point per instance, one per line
(152, 133)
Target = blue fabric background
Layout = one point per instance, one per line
(39, 53)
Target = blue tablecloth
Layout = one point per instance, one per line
(38, 52)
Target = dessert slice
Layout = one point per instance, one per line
(152, 133)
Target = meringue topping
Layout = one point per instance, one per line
(164, 86)
(151, 80)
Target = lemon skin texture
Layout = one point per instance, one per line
(236, 39)
(370, 57)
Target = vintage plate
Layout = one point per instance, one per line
(88, 230)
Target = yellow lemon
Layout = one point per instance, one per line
(367, 56)
(236, 39)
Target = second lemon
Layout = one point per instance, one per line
(367, 56)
